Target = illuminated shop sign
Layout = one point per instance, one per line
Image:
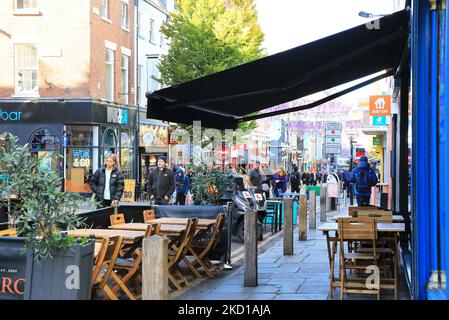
(81, 158)
(10, 116)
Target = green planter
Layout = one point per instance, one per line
(316, 188)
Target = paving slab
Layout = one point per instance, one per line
(296, 296)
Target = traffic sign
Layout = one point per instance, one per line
(333, 138)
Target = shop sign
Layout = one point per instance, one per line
(129, 192)
(153, 136)
(380, 105)
(116, 115)
(10, 116)
(81, 158)
(379, 120)
(377, 141)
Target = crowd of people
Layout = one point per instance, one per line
(161, 183)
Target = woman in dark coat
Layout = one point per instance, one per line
(280, 182)
(108, 183)
(182, 183)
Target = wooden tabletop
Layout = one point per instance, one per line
(129, 236)
(396, 218)
(166, 229)
(202, 223)
(381, 227)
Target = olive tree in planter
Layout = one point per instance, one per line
(209, 185)
(58, 266)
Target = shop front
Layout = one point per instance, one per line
(73, 137)
(153, 142)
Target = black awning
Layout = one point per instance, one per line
(222, 99)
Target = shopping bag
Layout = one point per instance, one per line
(189, 199)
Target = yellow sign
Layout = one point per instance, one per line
(130, 189)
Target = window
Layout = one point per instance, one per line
(151, 30)
(46, 147)
(109, 75)
(162, 40)
(27, 69)
(139, 24)
(105, 9)
(125, 16)
(139, 81)
(26, 4)
(125, 78)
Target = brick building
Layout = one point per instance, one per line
(67, 83)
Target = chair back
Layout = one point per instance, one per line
(149, 215)
(213, 240)
(378, 215)
(357, 229)
(117, 218)
(106, 258)
(152, 229)
(352, 210)
(8, 233)
(185, 242)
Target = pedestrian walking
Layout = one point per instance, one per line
(255, 176)
(280, 182)
(305, 178)
(108, 183)
(295, 180)
(363, 178)
(182, 186)
(160, 183)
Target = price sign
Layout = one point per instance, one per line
(129, 192)
(246, 194)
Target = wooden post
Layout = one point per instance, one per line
(323, 200)
(155, 268)
(250, 237)
(302, 223)
(288, 227)
(312, 213)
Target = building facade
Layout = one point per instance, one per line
(151, 44)
(67, 83)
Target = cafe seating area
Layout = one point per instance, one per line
(363, 250)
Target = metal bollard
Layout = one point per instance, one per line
(288, 227)
(250, 237)
(312, 211)
(323, 197)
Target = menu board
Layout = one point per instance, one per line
(129, 193)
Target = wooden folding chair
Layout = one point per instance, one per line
(177, 254)
(357, 229)
(104, 269)
(149, 215)
(352, 210)
(8, 233)
(131, 269)
(117, 218)
(200, 250)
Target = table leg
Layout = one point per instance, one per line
(281, 209)
(396, 266)
(331, 263)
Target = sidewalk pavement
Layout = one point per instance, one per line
(302, 276)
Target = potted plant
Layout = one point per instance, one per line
(210, 184)
(57, 266)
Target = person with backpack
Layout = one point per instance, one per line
(363, 177)
(182, 183)
(295, 180)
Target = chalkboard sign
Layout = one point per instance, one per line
(12, 268)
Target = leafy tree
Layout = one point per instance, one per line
(42, 209)
(207, 36)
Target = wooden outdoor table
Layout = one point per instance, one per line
(396, 218)
(203, 224)
(129, 237)
(385, 228)
(171, 230)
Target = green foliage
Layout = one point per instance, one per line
(43, 209)
(207, 180)
(206, 38)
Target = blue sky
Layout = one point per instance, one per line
(290, 23)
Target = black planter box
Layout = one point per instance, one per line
(13, 262)
(68, 276)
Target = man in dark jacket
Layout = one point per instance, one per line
(108, 183)
(363, 178)
(295, 180)
(160, 183)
